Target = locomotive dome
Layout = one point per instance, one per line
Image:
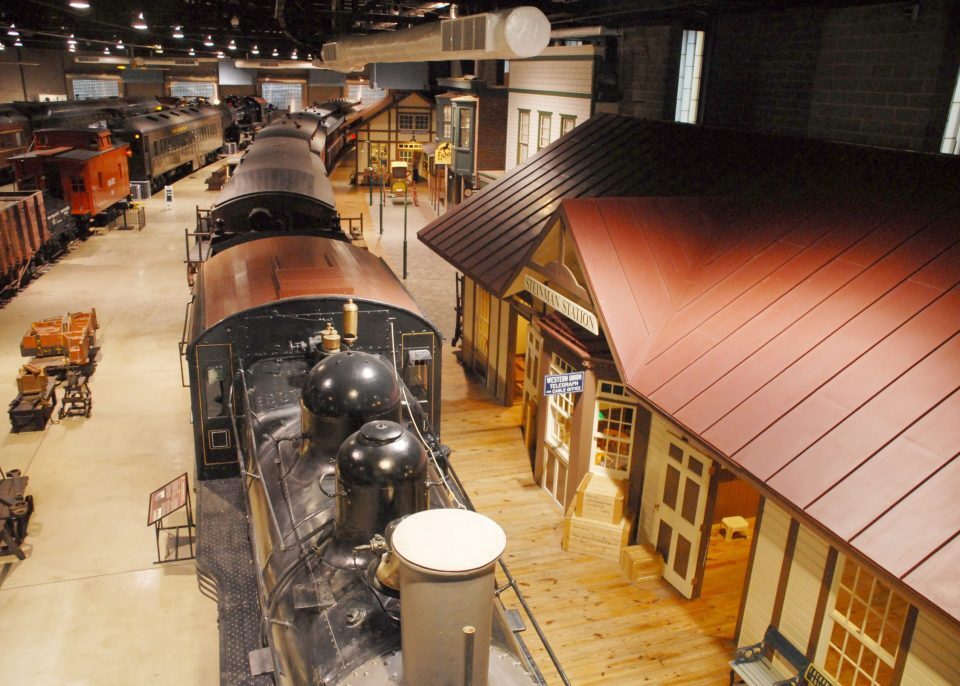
(381, 452)
(353, 384)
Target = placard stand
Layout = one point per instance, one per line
(164, 502)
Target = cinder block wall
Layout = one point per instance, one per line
(876, 74)
(649, 62)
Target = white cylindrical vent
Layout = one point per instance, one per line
(447, 583)
(505, 34)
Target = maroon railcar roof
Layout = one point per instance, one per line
(259, 272)
(813, 341)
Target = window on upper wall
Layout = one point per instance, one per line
(364, 93)
(951, 131)
(688, 84)
(87, 89)
(567, 123)
(287, 95)
(447, 114)
(543, 133)
(193, 89)
(411, 121)
(464, 127)
(523, 136)
(863, 628)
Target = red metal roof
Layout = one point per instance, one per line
(814, 342)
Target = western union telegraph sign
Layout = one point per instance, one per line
(564, 306)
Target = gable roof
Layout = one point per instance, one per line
(814, 342)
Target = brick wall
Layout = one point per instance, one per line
(492, 129)
(875, 74)
(648, 72)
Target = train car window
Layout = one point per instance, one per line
(100, 179)
(215, 395)
(77, 185)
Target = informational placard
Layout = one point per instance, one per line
(168, 194)
(555, 384)
(444, 153)
(167, 499)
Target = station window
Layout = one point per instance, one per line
(464, 127)
(523, 136)
(864, 627)
(411, 121)
(193, 89)
(447, 122)
(543, 134)
(567, 123)
(560, 410)
(86, 89)
(688, 85)
(613, 436)
(283, 95)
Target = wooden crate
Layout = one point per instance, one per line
(582, 535)
(640, 563)
(600, 498)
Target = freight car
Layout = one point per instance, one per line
(281, 184)
(34, 228)
(81, 167)
(316, 377)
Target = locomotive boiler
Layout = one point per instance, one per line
(315, 391)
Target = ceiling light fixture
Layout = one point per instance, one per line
(220, 54)
(12, 31)
(192, 52)
(233, 45)
(178, 32)
(80, 4)
(158, 48)
(18, 43)
(120, 44)
(106, 50)
(139, 23)
(255, 51)
(209, 41)
(2, 47)
(71, 40)
(276, 53)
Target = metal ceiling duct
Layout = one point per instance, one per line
(277, 64)
(505, 34)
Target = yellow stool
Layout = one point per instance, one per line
(735, 525)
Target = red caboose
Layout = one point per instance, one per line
(80, 166)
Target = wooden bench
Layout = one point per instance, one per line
(754, 665)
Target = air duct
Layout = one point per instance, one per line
(278, 64)
(505, 34)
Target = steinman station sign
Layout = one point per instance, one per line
(564, 306)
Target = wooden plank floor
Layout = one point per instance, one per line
(604, 630)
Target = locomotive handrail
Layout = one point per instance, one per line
(512, 583)
(183, 339)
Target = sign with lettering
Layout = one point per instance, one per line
(555, 384)
(170, 498)
(444, 153)
(168, 194)
(564, 306)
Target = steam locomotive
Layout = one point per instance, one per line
(333, 532)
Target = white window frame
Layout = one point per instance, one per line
(611, 396)
(267, 84)
(174, 84)
(544, 124)
(560, 406)
(568, 122)
(523, 136)
(951, 131)
(688, 83)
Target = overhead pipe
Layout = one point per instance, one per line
(584, 32)
(506, 34)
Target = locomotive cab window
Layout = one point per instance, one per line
(216, 391)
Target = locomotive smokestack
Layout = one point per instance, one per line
(447, 583)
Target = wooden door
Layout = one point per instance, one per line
(681, 513)
(531, 390)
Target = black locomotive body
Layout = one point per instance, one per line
(334, 440)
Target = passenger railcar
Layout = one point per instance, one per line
(280, 186)
(315, 376)
(81, 167)
(168, 142)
